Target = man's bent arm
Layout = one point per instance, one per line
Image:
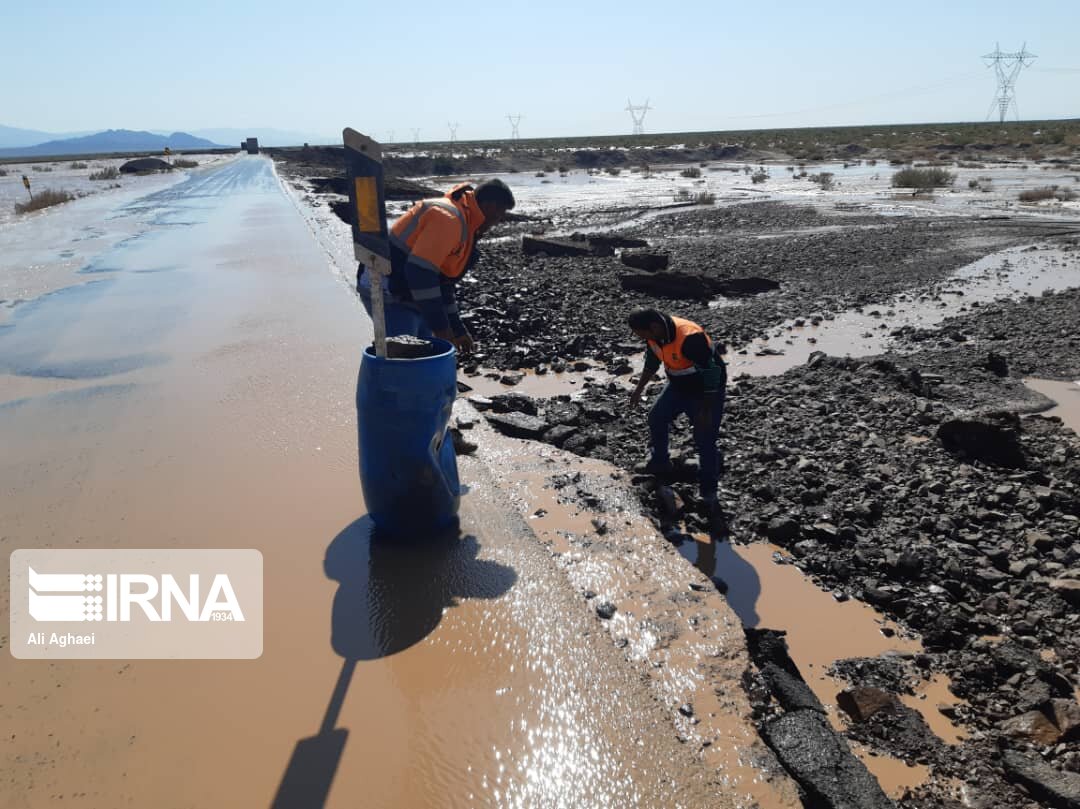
(450, 307)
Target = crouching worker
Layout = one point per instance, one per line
(431, 247)
(696, 381)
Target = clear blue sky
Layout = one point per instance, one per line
(568, 67)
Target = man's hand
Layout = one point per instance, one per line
(464, 343)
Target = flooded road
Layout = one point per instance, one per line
(196, 389)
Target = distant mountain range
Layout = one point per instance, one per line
(16, 142)
(11, 137)
(113, 140)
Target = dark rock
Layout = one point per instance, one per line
(649, 262)
(144, 164)
(822, 763)
(518, 425)
(996, 364)
(407, 347)
(514, 403)
(1032, 694)
(740, 287)
(993, 440)
(782, 529)
(862, 702)
(462, 445)
(1039, 540)
(1068, 589)
(669, 285)
(1066, 715)
(558, 412)
(609, 240)
(877, 596)
(558, 434)
(605, 610)
(532, 245)
(1032, 727)
(1059, 789)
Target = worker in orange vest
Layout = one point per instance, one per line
(696, 382)
(431, 247)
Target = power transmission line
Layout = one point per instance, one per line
(1007, 67)
(638, 114)
(515, 121)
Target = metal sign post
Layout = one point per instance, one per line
(371, 245)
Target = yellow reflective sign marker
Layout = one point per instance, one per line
(367, 205)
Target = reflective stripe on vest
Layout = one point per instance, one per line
(412, 222)
(675, 364)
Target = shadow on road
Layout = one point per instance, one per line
(391, 595)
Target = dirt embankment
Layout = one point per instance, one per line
(890, 480)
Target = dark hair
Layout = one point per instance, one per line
(643, 318)
(496, 191)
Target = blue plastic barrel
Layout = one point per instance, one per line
(408, 468)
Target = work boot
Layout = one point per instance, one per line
(661, 469)
(715, 516)
(462, 445)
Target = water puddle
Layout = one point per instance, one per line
(1067, 398)
(821, 630)
(865, 332)
(895, 776)
(928, 696)
(538, 386)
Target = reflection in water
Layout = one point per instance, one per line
(392, 594)
(732, 574)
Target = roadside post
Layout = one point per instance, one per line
(371, 244)
(26, 185)
(408, 467)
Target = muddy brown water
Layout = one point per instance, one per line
(212, 405)
(1066, 398)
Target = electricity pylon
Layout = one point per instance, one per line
(416, 138)
(453, 130)
(638, 114)
(1007, 66)
(515, 121)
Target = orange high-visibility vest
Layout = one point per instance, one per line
(439, 233)
(675, 364)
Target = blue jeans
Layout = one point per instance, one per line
(401, 318)
(667, 408)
